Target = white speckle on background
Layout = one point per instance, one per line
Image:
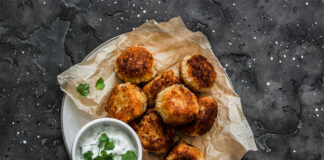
(138, 15)
(254, 37)
(144, 11)
(306, 3)
(293, 58)
(271, 58)
(268, 83)
(24, 141)
(234, 4)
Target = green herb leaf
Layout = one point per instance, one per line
(103, 139)
(83, 89)
(129, 155)
(88, 155)
(109, 145)
(107, 156)
(99, 158)
(100, 84)
(104, 153)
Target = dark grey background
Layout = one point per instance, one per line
(273, 51)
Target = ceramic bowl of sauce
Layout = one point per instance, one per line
(106, 137)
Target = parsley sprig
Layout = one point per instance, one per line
(104, 143)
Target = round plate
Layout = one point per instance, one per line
(72, 118)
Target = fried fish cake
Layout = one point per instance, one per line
(184, 151)
(197, 73)
(155, 136)
(205, 118)
(162, 81)
(136, 64)
(177, 105)
(126, 102)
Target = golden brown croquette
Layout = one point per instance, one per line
(126, 102)
(136, 64)
(155, 136)
(177, 105)
(197, 73)
(162, 81)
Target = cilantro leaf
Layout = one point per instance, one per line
(129, 155)
(99, 158)
(109, 145)
(107, 156)
(83, 89)
(88, 155)
(103, 139)
(103, 153)
(100, 84)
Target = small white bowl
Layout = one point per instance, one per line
(107, 121)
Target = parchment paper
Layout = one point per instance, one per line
(230, 137)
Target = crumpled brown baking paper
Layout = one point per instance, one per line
(230, 137)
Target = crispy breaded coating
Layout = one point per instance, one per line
(205, 118)
(162, 81)
(197, 73)
(184, 151)
(136, 64)
(126, 102)
(177, 105)
(155, 136)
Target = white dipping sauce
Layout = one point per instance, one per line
(90, 141)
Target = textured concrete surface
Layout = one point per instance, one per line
(273, 52)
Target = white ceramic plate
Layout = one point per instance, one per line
(72, 118)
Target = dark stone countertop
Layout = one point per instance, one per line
(273, 52)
